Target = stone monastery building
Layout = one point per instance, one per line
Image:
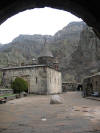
(43, 77)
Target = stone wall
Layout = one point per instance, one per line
(96, 83)
(35, 76)
(9, 75)
(38, 81)
(91, 85)
(54, 81)
(41, 79)
(69, 86)
(6, 91)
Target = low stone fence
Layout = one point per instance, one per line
(6, 91)
(10, 97)
(66, 86)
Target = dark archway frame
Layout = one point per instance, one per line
(88, 10)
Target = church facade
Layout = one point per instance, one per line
(43, 77)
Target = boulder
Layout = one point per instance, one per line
(56, 99)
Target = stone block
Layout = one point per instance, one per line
(56, 99)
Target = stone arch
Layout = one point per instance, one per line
(87, 10)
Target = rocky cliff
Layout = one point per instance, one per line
(86, 59)
(76, 46)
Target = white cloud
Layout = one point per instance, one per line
(36, 21)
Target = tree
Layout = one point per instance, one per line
(19, 85)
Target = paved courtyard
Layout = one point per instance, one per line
(35, 114)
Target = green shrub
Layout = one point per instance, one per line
(19, 85)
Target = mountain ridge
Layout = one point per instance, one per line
(63, 44)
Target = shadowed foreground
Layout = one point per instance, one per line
(34, 114)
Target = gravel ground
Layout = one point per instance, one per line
(35, 114)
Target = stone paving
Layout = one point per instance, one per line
(35, 114)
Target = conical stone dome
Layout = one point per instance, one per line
(46, 56)
(46, 52)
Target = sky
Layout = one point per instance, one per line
(44, 21)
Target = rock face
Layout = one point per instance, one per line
(22, 49)
(76, 46)
(86, 59)
(65, 43)
(25, 47)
